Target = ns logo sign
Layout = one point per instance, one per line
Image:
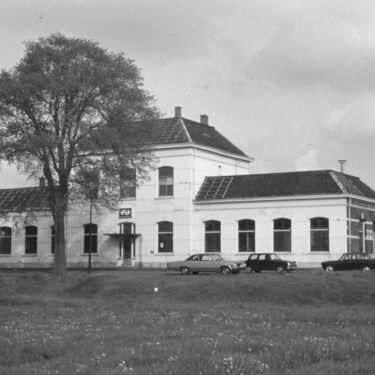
(125, 213)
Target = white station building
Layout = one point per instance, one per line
(201, 197)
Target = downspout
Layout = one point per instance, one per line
(192, 226)
(349, 224)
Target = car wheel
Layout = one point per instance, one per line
(185, 270)
(257, 271)
(280, 269)
(249, 269)
(225, 270)
(329, 269)
(366, 269)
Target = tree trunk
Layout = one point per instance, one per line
(60, 245)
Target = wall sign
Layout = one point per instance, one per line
(125, 213)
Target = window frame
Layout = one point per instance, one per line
(128, 183)
(165, 237)
(166, 181)
(31, 240)
(282, 235)
(86, 238)
(212, 243)
(247, 234)
(319, 234)
(5, 240)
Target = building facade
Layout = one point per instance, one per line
(201, 197)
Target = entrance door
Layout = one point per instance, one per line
(127, 240)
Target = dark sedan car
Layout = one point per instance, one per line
(350, 262)
(268, 262)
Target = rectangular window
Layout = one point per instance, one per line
(31, 240)
(90, 238)
(282, 241)
(165, 181)
(165, 242)
(246, 236)
(319, 241)
(319, 234)
(213, 236)
(5, 240)
(282, 235)
(128, 183)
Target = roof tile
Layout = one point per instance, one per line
(284, 184)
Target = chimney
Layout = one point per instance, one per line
(204, 119)
(342, 165)
(42, 182)
(177, 111)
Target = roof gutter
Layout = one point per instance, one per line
(283, 199)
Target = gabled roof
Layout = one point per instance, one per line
(269, 185)
(178, 130)
(24, 199)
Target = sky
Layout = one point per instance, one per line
(291, 83)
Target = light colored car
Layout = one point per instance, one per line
(206, 262)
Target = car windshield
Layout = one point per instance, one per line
(274, 257)
(344, 257)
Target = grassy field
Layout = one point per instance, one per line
(306, 322)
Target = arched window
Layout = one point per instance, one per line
(212, 236)
(165, 181)
(319, 234)
(31, 239)
(90, 238)
(165, 237)
(282, 235)
(5, 240)
(246, 235)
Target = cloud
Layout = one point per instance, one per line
(308, 161)
(354, 120)
(323, 46)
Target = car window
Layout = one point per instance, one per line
(205, 258)
(344, 257)
(192, 257)
(262, 257)
(253, 257)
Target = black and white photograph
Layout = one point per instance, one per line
(187, 187)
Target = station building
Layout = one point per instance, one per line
(201, 197)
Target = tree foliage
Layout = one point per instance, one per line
(69, 111)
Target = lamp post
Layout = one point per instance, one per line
(90, 238)
(91, 179)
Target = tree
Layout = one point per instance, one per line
(69, 111)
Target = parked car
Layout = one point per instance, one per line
(258, 262)
(349, 262)
(206, 262)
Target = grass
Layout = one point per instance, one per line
(306, 322)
